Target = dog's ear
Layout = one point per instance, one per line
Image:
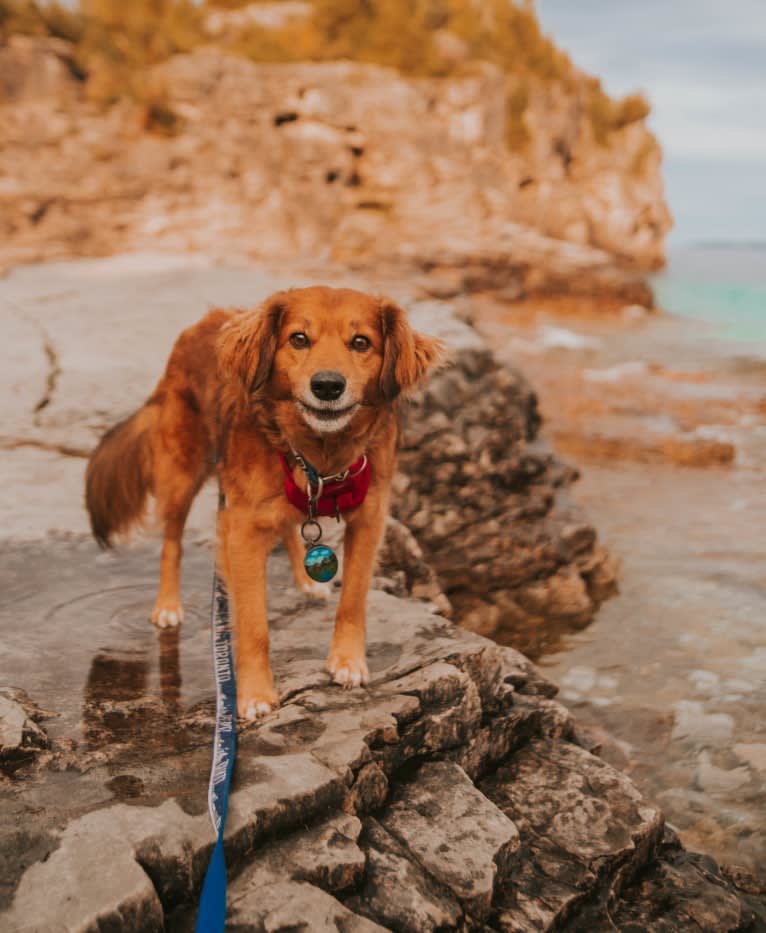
(407, 355)
(247, 346)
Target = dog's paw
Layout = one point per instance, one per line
(167, 613)
(258, 705)
(347, 670)
(256, 699)
(255, 710)
(316, 589)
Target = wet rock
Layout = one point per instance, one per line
(707, 683)
(91, 881)
(447, 790)
(712, 779)
(694, 724)
(519, 672)
(681, 891)
(333, 807)
(21, 738)
(326, 855)
(293, 907)
(401, 559)
(752, 752)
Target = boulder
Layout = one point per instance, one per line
(488, 501)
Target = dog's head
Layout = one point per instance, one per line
(330, 352)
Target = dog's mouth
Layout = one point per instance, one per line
(328, 414)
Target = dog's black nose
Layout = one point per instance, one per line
(327, 385)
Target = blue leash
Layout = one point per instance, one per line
(211, 917)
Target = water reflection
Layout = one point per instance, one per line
(122, 700)
(170, 669)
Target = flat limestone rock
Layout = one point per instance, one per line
(294, 907)
(398, 891)
(454, 832)
(92, 881)
(285, 887)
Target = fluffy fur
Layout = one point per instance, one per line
(237, 390)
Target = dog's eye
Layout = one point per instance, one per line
(360, 343)
(300, 341)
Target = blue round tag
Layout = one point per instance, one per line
(321, 563)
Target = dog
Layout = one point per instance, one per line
(313, 376)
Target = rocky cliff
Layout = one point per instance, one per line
(340, 160)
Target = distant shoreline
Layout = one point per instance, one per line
(728, 245)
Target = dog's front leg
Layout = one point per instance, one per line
(245, 548)
(364, 530)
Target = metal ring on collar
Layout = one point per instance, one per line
(316, 496)
(317, 531)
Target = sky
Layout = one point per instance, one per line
(702, 63)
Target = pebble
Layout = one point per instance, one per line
(754, 753)
(692, 722)
(580, 679)
(707, 682)
(712, 779)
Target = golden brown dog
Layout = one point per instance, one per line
(318, 371)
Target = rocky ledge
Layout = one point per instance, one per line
(451, 794)
(489, 501)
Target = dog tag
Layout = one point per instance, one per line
(321, 563)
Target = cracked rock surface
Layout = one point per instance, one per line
(448, 795)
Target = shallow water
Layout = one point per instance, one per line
(674, 667)
(671, 675)
(725, 288)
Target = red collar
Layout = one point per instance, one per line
(338, 494)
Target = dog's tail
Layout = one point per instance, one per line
(119, 475)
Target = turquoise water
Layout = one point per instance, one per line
(725, 289)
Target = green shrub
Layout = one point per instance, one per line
(39, 19)
(608, 116)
